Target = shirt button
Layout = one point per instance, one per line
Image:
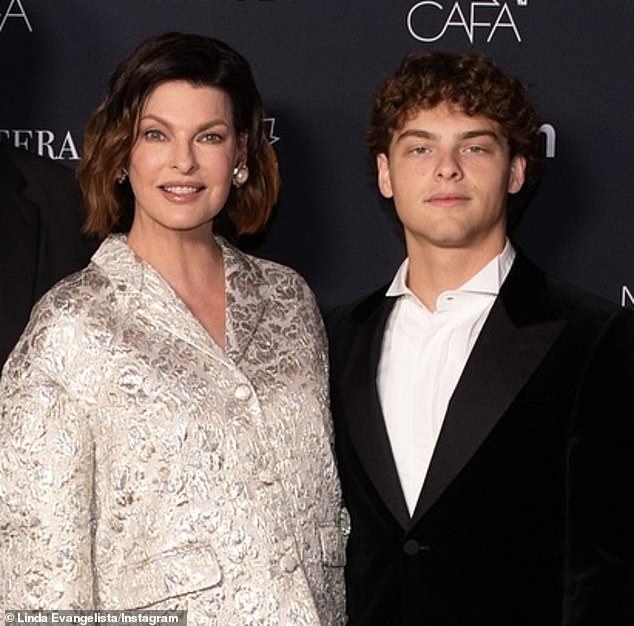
(288, 563)
(242, 392)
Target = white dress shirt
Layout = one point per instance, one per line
(422, 358)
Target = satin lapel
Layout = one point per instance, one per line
(363, 413)
(518, 333)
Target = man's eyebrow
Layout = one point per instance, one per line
(483, 132)
(418, 133)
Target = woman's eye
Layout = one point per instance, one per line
(211, 138)
(154, 135)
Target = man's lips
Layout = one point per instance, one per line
(447, 199)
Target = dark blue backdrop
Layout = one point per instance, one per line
(317, 63)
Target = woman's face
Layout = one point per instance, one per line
(182, 160)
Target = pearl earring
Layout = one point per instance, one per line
(240, 175)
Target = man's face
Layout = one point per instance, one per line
(449, 175)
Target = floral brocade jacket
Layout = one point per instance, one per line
(143, 467)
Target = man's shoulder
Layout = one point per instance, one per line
(594, 316)
(530, 292)
(356, 312)
(574, 297)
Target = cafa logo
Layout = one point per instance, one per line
(42, 141)
(14, 13)
(428, 21)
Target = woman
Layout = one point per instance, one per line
(165, 437)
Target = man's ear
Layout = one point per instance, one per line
(517, 173)
(384, 180)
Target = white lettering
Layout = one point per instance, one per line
(627, 299)
(22, 138)
(44, 142)
(551, 138)
(460, 22)
(26, 618)
(475, 24)
(456, 18)
(68, 149)
(500, 24)
(21, 14)
(410, 27)
(269, 125)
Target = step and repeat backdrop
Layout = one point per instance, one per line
(317, 64)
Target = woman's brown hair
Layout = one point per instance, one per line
(112, 129)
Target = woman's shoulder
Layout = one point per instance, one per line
(278, 273)
(277, 278)
(61, 323)
(74, 295)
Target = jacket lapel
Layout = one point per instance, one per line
(365, 422)
(142, 290)
(247, 294)
(520, 330)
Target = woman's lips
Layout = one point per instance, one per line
(179, 192)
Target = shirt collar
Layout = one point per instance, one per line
(488, 280)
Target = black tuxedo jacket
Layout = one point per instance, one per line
(526, 516)
(40, 238)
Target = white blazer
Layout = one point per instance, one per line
(143, 467)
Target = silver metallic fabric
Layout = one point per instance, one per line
(143, 467)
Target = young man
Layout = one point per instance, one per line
(483, 410)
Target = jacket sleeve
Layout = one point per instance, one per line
(46, 486)
(599, 577)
